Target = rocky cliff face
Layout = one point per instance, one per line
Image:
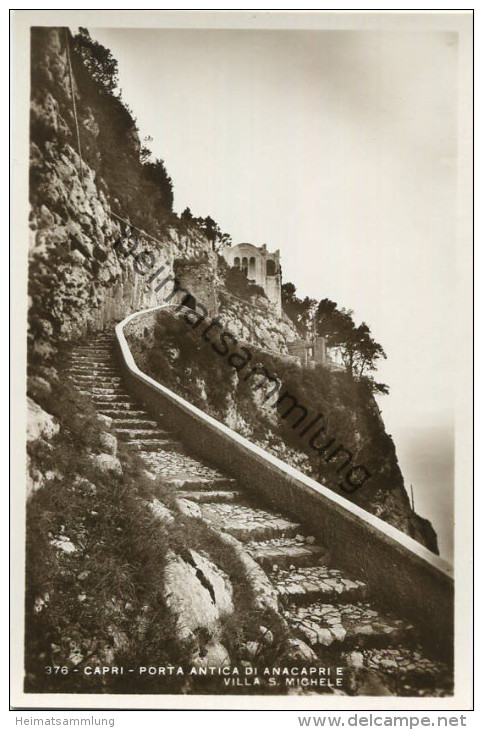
(256, 323)
(79, 279)
(82, 279)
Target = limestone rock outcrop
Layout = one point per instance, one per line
(77, 278)
(197, 592)
(106, 463)
(40, 424)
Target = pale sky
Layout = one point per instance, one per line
(339, 149)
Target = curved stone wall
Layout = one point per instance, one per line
(406, 576)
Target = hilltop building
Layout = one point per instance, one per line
(261, 267)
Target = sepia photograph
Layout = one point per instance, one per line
(244, 332)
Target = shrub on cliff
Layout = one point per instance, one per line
(107, 128)
(98, 60)
(300, 311)
(143, 188)
(359, 351)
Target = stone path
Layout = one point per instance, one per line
(328, 609)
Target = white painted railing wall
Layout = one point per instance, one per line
(405, 576)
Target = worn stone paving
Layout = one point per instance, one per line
(301, 585)
(211, 496)
(181, 467)
(355, 624)
(329, 610)
(408, 670)
(248, 523)
(282, 552)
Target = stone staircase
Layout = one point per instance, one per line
(332, 612)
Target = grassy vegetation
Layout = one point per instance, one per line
(104, 602)
(97, 594)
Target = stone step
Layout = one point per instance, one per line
(206, 497)
(102, 358)
(119, 396)
(98, 385)
(285, 552)
(91, 342)
(114, 390)
(110, 407)
(106, 370)
(103, 398)
(409, 670)
(148, 445)
(86, 367)
(91, 364)
(95, 378)
(355, 624)
(93, 373)
(141, 433)
(128, 424)
(189, 483)
(92, 350)
(84, 358)
(316, 583)
(248, 523)
(123, 417)
(110, 338)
